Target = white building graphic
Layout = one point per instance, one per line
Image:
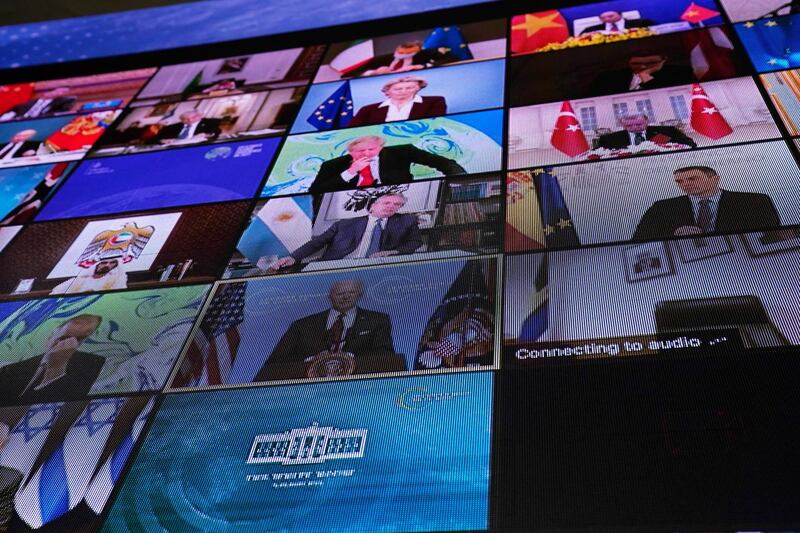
(309, 445)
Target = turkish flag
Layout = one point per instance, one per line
(706, 118)
(567, 135)
(13, 95)
(696, 14)
(532, 31)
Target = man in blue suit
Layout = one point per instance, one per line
(382, 232)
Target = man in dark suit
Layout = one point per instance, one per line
(614, 22)
(381, 233)
(402, 102)
(637, 129)
(705, 208)
(192, 126)
(368, 163)
(51, 102)
(406, 57)
(21, 144)
(339, 341)
(60, 373)
(644, 72)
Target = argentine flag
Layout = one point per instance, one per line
(277, 229)
(59, 485)
(103, 482)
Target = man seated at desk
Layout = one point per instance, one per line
(340, 341)
(705, 208)
(191, 127)
(380, 233)
(636, 129)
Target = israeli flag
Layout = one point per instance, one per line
(60, 484)
(26, 439)
(103, 482)
(278, 229)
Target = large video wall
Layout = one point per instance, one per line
(529, 270)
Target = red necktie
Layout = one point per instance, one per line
(335, 333)
(365, 177)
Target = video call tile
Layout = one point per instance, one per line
(401, 318)
(135, 251)
(78, 346)
(394, 223)
(194, 175)
(414, 51)
(607, 22)
(410, 454)
(651, 198)
(59, 462)
(392, 154)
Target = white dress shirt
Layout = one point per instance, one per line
(400, 112)
(348, 319)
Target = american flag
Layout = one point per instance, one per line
(212, 351)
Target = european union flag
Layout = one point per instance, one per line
(559, 231)
(336, 111)
(772, 44)
(449, 37)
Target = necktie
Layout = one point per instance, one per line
(335, 333)
(638, 138)
(704, 215)
(365, 177)
(184, 134)
(614, 28)
(375, 239)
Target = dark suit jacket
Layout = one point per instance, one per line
(619, 81)
(369, 340)
(737, 211)
(431, 57)
(620, 139)
(27, 145)
(629, 23)
(394, 166)
(401, 233)
(82, 371)
(431, 106)
(209, 126)
(60, 104)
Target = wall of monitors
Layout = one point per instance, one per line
(494, 268)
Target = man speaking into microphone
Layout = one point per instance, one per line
(369, 163)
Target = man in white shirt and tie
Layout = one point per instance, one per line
(705, 208)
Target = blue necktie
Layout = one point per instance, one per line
(375, 239)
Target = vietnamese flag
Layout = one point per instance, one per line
(567, 135)
(706, 118)
(532, 31)
(697, 14)
(79, 133)
(13, 95)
